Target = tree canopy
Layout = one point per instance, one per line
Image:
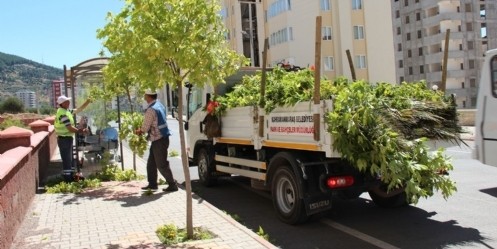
(156, 42)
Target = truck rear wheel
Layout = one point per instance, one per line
(286, 197)
(205, 169)
(392, 199)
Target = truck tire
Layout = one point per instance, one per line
(392, 199)
(205, 169)
(287, 201)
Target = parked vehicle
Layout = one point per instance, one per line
(282, 154)
(486, 114)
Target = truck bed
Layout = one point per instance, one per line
(284, 127)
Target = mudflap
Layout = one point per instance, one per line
(317, 204)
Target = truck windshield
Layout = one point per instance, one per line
(194, 101)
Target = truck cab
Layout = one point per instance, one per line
(486, 115)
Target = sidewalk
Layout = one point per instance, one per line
(117, 215)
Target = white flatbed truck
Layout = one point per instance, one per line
(302, 172)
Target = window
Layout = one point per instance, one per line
(399, 47)
(360, 61)
(356, 4)
(290, 33)
(471, 45)
(471, 64)
(399, 31)
(358, 32)
(407, 19)
(326, 33)
(409, 53)
(329, 64)
(418, 16)
(419, 34)
(420, 51)
(410, 70)
(325, 5)
(278, 7)
(401, 78)
(421, 69)
(224, 13)
(472, 83)
(469, 26)
(397, 14)
(401, 64)
(408, 36)
(406, 2)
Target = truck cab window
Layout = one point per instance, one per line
(493, 76)
(195, 101)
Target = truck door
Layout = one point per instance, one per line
(195, 117)
(486, 121)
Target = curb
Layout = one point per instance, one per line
(232, 221)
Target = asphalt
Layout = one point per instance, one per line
(119, 215)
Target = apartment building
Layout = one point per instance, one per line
(420, 29)
(58, 88)
(364, 27)
(28, 98)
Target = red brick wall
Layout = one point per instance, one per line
(17, 189)
(21, 169)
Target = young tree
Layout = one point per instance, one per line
(154, 42)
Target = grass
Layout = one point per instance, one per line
(170, 234)
(109, 172)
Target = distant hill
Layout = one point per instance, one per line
(17, 73)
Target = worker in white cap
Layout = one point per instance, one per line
(154, 123)
(65, 128)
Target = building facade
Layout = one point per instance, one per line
(420, 29)
(361, 26)
(58, 88)
(28, 98)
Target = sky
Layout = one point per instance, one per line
(54, 32)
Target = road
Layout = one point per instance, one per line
(465, 220)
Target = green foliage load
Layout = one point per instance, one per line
(381, 129)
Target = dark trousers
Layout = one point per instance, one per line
(66, 151)
(157, 160)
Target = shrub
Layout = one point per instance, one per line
(12, 105)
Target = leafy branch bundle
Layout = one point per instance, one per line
(381, 129)
(131, 122)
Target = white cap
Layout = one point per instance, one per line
(150, 92)
(62, 99)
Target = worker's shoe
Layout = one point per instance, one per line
(150, 187)
(171, 188)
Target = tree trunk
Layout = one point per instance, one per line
(184, 159)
